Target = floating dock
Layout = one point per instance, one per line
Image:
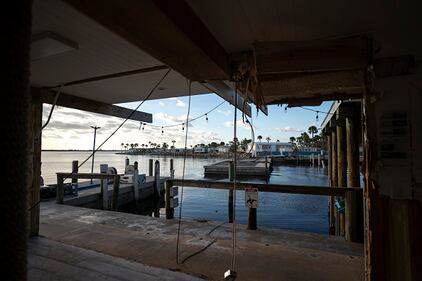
(260, 167)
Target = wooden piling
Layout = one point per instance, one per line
(334, 174)
(331, 199)
(104, 187)
(60, 189)
(171, 168)
(230, 199)
(252, 224)
(116, 189)
(169, 210)
(126, 162)
(136, 185)
(341, 164)
(75, 168)
(34, 198)
(157, 186)
(353, 178)
(150, 167)
(135, 165)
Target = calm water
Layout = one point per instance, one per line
(276, 210)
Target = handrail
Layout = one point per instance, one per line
(87, 175)
(264, 187)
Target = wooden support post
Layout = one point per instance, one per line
(353, 178)
(60, 189)
(126, 162)
(171, 168)
(151, 167)
(136, 185)
(157, 187)
(104, 187)
(331, 199)
(75, 168)
(252, 219)
(116, 189)
(341, 164)
(334, 174)
(135, 165)
(35, 125)
(230, 201)
(169, 210)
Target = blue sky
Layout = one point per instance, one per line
(70, 129)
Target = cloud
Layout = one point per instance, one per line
(170, 119)
(161, 103)
(239, 123)
(225, 113)
(179, 103)
(288, 129)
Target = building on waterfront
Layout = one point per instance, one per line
(272, 148)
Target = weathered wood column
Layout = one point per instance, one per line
(334, 170)
(341, 160)
(353, 176)
(331, 199)
(230, 199)
(35, 147)
(15, 61)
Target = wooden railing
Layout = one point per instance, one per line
(262, 187)
(104, 186)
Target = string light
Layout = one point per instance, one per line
(183, 126)
(162, 130)
(317, 117)
(285, 109)
(206, 117)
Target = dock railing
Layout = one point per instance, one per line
(104, 186)
(262, 187)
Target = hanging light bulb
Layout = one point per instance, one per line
(143, 127)
(285, 109)
(183, 126)
(162, 130)
(316, 118)
(206, 117)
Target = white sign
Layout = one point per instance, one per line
(174, 190)
(174, 202)
(251, 197)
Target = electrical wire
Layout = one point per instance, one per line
(56, 97)
(114, 132)
(183, 175)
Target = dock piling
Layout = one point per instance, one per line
(157, 186)
(116, 189)
(171, 168)
(104, 187)
(169, 209)
(151, 166)
(341, 164)
(252, 224)
(230, 200)
(60, 189)
(136, 185)
(75, 168)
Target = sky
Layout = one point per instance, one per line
(71, 129)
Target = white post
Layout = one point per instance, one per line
(136, 185)
(104, 187)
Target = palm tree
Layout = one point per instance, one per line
(173, 141)
(259, 138)
(312, 131)
(268, 139)
(277, 140)
(292, 140)
(122, 145)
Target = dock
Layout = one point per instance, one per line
(245, 167)
(263, 254)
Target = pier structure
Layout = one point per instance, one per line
(80, 54)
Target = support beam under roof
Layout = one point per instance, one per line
(66, 100)
(167, 30)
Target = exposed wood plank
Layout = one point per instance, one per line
(311, 56)
(66, 100)
(114, 75)
(393, 66)
(167, 30)
(295, 189)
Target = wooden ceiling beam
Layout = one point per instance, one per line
(167, 30)
(66, 100)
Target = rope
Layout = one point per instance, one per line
(233, 261)
(114, 132)
(183, 176)
(56, 97)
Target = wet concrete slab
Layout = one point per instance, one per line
(264, 254)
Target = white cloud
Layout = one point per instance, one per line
(170, 119)
(226, 112)
(161, 103)
(179, 103)
(239, 123)
(287, 129)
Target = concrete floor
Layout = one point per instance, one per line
(264, 254)
(51, 260)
